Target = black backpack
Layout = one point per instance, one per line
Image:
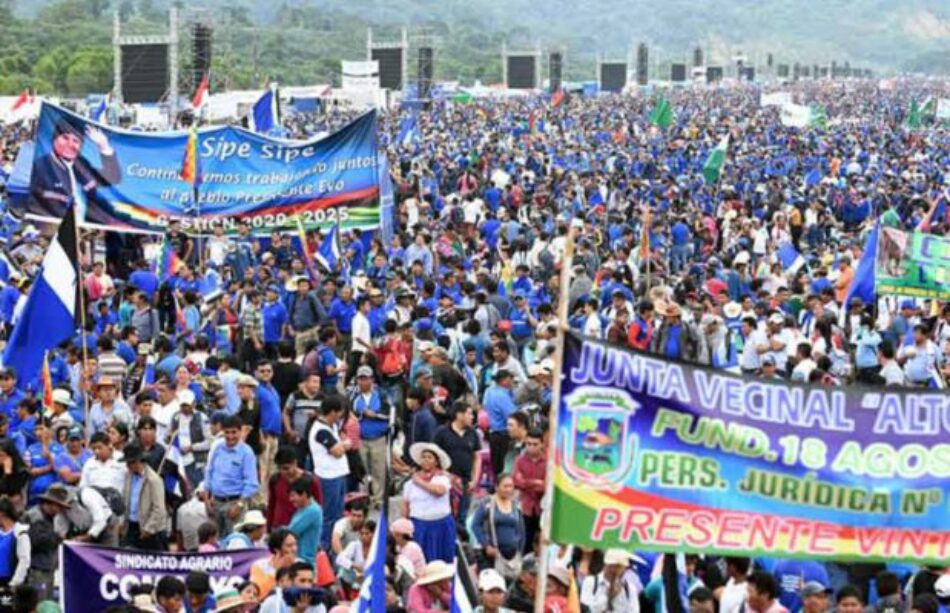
(114, 498)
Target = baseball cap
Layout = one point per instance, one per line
(186, 397)
(490, 579)
(247, 380)
(814, 587)
(776, 318)
(74, 433)
(768, 360)
(364, 371)
(905, 304)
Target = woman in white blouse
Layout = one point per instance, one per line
(427, 501)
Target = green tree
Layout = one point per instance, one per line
(97, 8)
(54, 68)
(90, 72)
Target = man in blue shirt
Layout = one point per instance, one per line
(328, 365)
(10, 396)
(373, 413)
(307, 522)
(274, 315)
(231, 477)
(499, 405)
(342, 310)
(680, 234)
(269, 401)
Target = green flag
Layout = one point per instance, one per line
(929, 107)
(913, 116)
(817, 117)
(717, 157)
(462, 98)
(662, 115)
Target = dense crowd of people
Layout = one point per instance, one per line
(284, 389)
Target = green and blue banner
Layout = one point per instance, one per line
(912, 264)
(659, 455)
(128, 180)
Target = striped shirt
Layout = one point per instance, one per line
(112, 366)
(253, 320)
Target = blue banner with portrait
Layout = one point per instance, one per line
(132, 181)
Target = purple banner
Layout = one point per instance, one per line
(96, 578)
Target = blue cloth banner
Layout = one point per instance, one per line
(97, 578)
(132, 180)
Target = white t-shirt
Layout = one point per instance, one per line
(732, 597)
(110, 473)
(751, 360)
(361, 331)
(218, 249)
(322, 438)
(163, 415)
(425, 506)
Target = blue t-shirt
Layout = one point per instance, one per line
(327, 359)
(275, 316)
(680, 233)
(270, 409)
(673, 349)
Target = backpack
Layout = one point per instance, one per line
(113, 497)
(457, 215)
(392, 358)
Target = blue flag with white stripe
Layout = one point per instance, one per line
(813, 177)
(265, 114)
(373, 588)
(329, 253)
(101, 109)
(49, 316)
(792, 261)
(409, 133)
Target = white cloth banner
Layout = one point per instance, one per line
(795, 115)
(943, 109)
(360, 75)
(776, 99)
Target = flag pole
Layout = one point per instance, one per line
(553, 412)
(82, 320)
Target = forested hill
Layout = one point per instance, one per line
(63, 46)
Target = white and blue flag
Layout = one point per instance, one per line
(330, 253)
(409, 133)
(265, 114)
(792, 261)
(49, 316)
(373, 588)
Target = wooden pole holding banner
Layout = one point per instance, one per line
(81, 292)
(562, 329)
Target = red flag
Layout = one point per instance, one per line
(23, 100)
(201, 94)
(557, 98)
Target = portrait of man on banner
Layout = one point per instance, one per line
(63, 175)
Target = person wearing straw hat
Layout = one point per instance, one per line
(427, 501)
(433, 588)
(109, 407)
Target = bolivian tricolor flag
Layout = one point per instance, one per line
(189, 166)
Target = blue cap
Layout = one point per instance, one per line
(423, 324)
(908, 304)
